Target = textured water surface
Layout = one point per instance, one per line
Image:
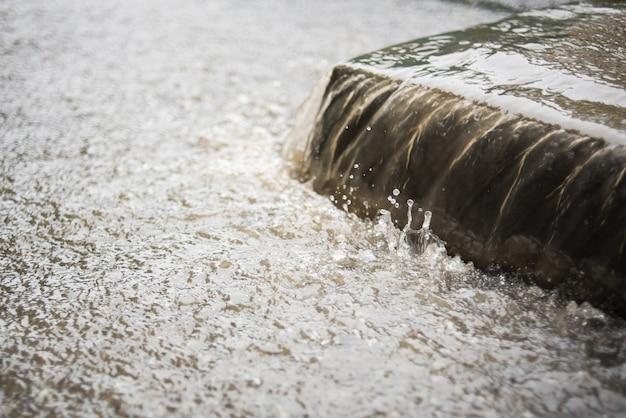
(562, 65)
(157, 260)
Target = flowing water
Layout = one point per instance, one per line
(157, 260)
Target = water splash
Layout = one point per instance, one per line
(386, 229)
(408, 241)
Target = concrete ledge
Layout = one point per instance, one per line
(505, 187)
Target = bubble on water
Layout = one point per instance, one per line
(397, 205)
(351, 176)
(356, 165)
(332, 198)
(396, 192)
(369, 128)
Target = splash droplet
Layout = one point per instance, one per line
(427, 217)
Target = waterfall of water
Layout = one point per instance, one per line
(504, 188)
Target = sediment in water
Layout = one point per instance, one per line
(507, 184)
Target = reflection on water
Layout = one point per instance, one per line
(155, 259)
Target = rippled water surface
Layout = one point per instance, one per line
(563, 65)
(157, 260)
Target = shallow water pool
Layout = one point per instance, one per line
(157, 260)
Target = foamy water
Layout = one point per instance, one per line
(156, 259)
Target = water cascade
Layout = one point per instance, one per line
(512, 134)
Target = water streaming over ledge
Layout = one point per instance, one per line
(157, 260)
(506, 188)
